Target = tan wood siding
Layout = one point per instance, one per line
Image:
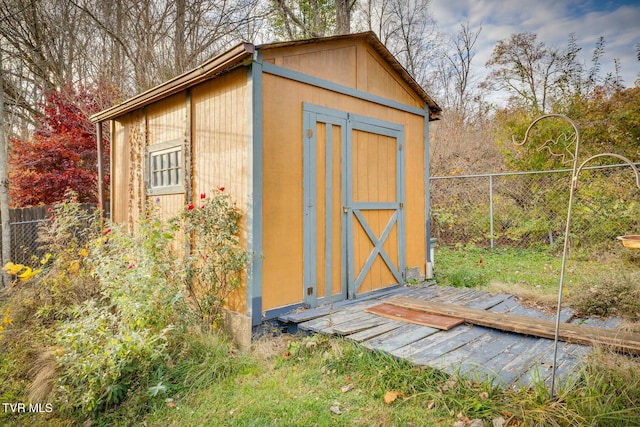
(379, 79)
(352, 63)
(283, 189)
(127, 182)
(414, 190)
(282, 271)
(335, 64)
(220, 138)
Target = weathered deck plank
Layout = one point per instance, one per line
(427, 350)
(366, 334)
(298, 316)
(400, 337)
(515, 368)
(507, 358)
(489, 301)
(579, 334)
(471, 351)
(328, 323)
(513, 346)
(368, 322)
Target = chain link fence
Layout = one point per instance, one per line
(27, 227)
(26, 224)
(25, 246)
(529, 209)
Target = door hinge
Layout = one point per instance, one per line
(310, 290)
(309, 133)
(401, 205)
(399, 147)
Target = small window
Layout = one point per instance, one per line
(166, 169)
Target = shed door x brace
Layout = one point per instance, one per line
(353, 204)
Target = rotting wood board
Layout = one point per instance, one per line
(396, 312)
(579, 334)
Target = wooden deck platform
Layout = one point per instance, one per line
(506, 358)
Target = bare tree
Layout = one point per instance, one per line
(458, 91)
(130, 45)
(343, 15)
(408, 30)
(525, 68)
(40, 41)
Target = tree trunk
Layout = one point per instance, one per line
(343, 17)
(4, 185)
(179, 40)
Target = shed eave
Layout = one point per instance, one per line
(231, 58)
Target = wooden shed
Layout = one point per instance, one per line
(322, 143)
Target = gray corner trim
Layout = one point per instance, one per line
(328, 203)
(427, 196)
(254, 191)
(112, 167)
(310, 290)
(345, 90)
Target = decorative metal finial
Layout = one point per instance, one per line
(559, 146)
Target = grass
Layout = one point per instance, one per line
(295, 380)
(531, 274)
(335, 383)
(291, 380)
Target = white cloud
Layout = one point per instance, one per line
(552, 21)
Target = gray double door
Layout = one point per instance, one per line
(353, 204)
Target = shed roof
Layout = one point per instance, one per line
(242, 54)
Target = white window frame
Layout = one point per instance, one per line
(165, 168)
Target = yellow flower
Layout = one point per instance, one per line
(12, 268)
(6, 320)
(45, 259)
(27, 274)
(84, 252)
(74, 266)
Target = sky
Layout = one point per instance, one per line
(552, 21)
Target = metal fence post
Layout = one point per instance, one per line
(491, 209)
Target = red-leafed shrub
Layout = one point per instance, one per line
(62, 153)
